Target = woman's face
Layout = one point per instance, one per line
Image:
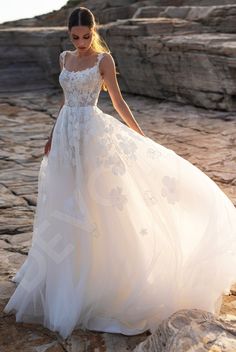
(81, 37)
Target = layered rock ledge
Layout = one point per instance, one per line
(181, 53)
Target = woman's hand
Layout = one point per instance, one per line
(138, 130)
(142, 134)
(47, 146)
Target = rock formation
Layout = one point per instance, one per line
(175, 59)
(191, 331)
(183, 53)
(30, 57)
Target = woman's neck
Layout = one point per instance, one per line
(86, 53)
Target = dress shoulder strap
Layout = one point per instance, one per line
(62, 57)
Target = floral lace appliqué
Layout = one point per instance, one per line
(169, 189)
(118, 199)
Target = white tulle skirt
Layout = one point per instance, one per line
(126, 232)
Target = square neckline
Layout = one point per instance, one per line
(78, 71)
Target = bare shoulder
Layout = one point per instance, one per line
(107, 57)
(107, 62)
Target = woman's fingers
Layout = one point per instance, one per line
(47, 147)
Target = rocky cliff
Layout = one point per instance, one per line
(183, 53)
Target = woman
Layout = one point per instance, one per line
(126, 231)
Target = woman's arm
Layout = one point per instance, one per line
(108, 73)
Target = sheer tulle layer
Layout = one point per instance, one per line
(126, 232)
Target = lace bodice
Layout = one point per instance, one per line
(81, 88)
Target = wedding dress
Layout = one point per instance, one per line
(126, 231)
